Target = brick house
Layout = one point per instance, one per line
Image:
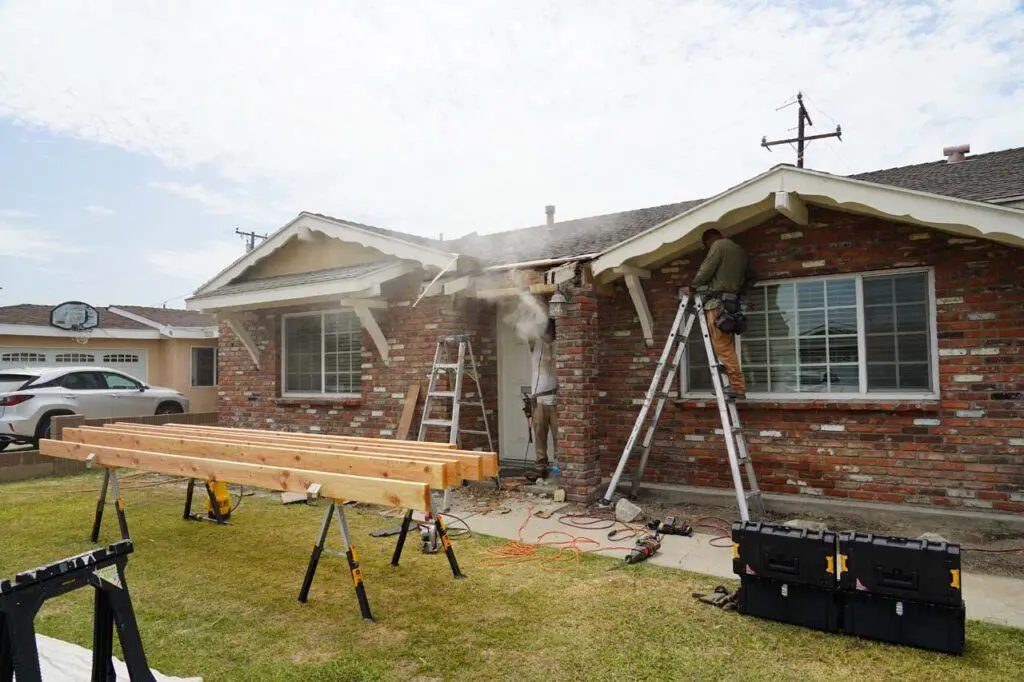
(884, 357)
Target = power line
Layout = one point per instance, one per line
(251, 238)
(801, 138)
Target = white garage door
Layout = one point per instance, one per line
(131, 362)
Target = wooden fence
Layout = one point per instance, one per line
(19, 465)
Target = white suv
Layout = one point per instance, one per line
(29, 398)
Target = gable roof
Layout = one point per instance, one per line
(170, 317)
(125, 322)
(994, 177)
(39, 316)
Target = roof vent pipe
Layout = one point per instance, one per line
(956, 154)
(550, 211)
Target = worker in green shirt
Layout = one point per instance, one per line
(723, 277)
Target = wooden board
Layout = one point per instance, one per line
(404, 494)
(330, 436)
(405, 423)
(476, 466)
(437, 474)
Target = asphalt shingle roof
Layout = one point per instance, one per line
(172, 317)
(990, 177)
(39, 316)
(298, 279)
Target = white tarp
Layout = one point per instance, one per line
(68, 662)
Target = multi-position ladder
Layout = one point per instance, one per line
(691, 309)
(450, 362)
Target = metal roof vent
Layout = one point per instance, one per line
(550, 211)
(956, 154)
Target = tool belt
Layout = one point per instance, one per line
(530, 401)
(729, 316)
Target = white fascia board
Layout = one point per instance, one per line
(97, 333)
(369, 323)
(337, 229)
(367, 285)
(955, 216)
(636, 292)
(167, 330)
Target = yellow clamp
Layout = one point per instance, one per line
(842, 563)
(357, 576)
(955, 574)
(735, 550)
(830, 566)
(355, 557)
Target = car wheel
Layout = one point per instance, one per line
(44, 428)
(169, 408)
(4, 444)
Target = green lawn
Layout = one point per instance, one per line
(221, 602)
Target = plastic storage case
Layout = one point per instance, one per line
(793, 556)
(806, 605)
(936, 627)
(918, 570)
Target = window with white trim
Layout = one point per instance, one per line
(76, 358)
(322, 354)
(204, 366)
(849, 336)
(120, 357)
(22, 357)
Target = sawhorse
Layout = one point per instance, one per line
(109, 481)
(442, 536)
(21, 599)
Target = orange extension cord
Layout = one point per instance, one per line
(569, 548)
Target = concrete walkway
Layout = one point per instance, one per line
(994, 599)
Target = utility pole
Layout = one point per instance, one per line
(251, 237)
(801, 139)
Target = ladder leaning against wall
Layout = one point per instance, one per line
(691, 309)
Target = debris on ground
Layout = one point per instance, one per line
(932, 537)
(721, 597)
(627, 512)
(806, 524)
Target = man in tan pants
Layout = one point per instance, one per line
(545, 385)
(725, 271)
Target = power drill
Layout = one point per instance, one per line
(645, 548)
(671, 526)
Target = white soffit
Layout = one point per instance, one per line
(787, 188)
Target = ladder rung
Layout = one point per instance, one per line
(437, 422)
(751, 495)
(474, 432)
(442, 394)
(446, 365)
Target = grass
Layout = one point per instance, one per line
(221, 603)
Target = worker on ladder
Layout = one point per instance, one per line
(542, 399)
(723, 278)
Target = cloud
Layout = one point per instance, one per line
(198, 265)
(474, 116)
(218, 203)
(33, 244)
(16, 214)
(99, 211)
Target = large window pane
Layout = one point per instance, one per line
(323, 353)
(302, 343)
(898, 338)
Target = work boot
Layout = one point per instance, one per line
(732, 394)
(537, 471)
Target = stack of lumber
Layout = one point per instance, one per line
(371, 470)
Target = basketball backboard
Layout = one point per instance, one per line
(74, 316)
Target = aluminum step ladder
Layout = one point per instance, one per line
(691, 309)
(455, 347)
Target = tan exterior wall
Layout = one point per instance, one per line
(321, 253)
(169, 361)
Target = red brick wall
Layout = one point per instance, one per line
(252, 398)
(966, 450)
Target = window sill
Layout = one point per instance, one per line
(924, 404)
(344, 401)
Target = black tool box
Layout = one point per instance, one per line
(806, 605)
(788, 555)
(919, 570)
(936, 627)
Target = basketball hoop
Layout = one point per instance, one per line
(82, 335)
(76, 317)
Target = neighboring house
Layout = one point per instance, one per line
(885, 355)
(172, 348)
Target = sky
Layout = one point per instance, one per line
(136, 137)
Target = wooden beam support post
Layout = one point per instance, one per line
(636, 292)
(370, 322)
(239, 330)
(791, 206)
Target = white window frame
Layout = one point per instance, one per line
(863, 395)
(192, 366)
(322, 395)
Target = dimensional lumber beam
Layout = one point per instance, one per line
(437, 474)
(428, 444)
(472, 467)
(791, 206)
(405, 494)
(636, 292)
(384, 442)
